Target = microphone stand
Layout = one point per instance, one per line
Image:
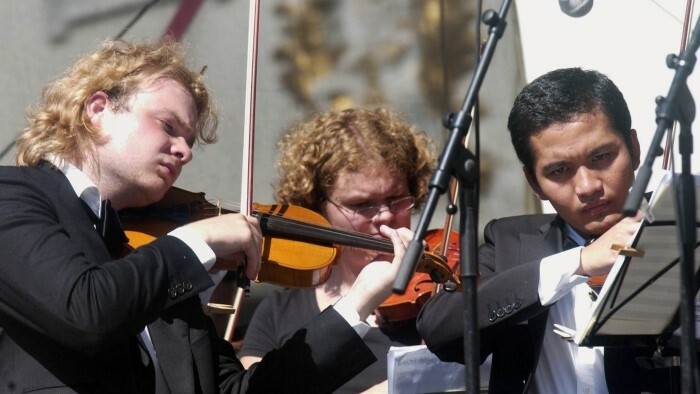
(678, 105)
(457, 161)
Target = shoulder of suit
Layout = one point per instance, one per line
(42, 174)
(524, 220)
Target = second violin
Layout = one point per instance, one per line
(405, 307)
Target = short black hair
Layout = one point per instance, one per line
(561, 96)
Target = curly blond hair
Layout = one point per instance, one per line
(313, 154)
(58, 126)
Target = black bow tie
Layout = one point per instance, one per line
(109, 227)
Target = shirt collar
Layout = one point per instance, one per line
(82, 185)
(574, 235)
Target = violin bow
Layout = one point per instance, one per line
(684, 41)
(243, 284)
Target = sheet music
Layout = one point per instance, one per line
(648, 297)
(414, 369)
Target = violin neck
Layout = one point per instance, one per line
(275, 226)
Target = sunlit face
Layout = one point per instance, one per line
(374, 186)
(147, 143)
(584, 170)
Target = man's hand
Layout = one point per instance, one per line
(233, 238)
(598, 257)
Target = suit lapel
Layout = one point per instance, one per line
(171, 342)
(80, 224)
(545, 243)
(537, 246)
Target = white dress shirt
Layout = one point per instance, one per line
(563, 366)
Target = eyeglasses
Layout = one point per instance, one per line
(370, 211)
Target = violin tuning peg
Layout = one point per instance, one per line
(450, 286)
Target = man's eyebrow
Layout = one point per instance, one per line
(603, 147)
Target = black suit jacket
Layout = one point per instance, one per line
(70, 315)
(511, 319)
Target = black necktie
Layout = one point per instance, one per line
(109, 227)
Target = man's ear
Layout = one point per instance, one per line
(532, 181)
(636, 151)
(96, 105)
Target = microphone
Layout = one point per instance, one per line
(576, 8)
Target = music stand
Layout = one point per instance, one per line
(640, 302)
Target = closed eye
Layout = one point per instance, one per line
(168, 127)
(174, 130)
(358, 206)
(175, 126)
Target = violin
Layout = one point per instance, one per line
(597, 281)
(400, 308)
(299, 245)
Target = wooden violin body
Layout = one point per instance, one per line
(179, 207)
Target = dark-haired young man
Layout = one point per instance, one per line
(571, 129)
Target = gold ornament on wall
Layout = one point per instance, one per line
(324, 65)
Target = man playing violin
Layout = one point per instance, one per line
(571, 129)
(362, 169)
(119, 126)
